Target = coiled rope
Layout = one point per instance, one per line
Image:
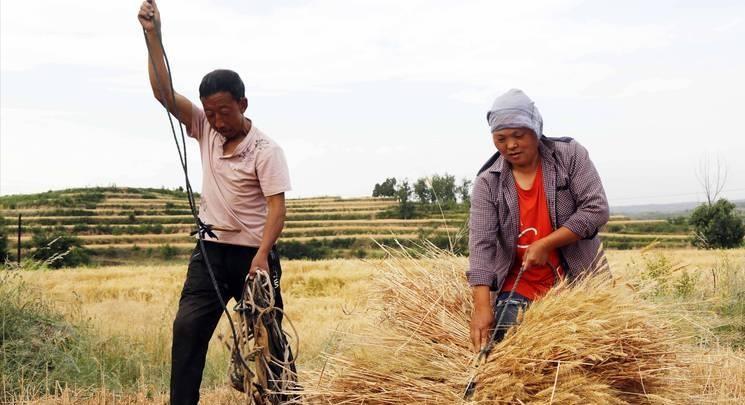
(261, 320)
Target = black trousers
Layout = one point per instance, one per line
(200, 310)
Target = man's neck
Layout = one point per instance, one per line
(231, 143)
(247, 124)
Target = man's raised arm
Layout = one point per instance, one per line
(149, 18)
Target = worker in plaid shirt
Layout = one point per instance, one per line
(537, 206)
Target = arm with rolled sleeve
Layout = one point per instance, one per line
(592, 205)
(484, 225)
(274, 180)
(271, 168)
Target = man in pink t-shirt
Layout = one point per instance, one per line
(245, 177)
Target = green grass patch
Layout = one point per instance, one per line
(40, 348)
(714, 296)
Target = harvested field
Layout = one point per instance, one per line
(379, 237)
(359, 326)
(373, 222)
(643, 236)
(143, 204)
(179, 245)
(341, 230)
(118, 200)
(297, 204)
(288, 234)
(637, 221)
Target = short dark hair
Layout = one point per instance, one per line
(222, 80)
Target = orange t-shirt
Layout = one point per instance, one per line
(535, 224)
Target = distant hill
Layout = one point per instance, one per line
(662, 210)
(119, 225)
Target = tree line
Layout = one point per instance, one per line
(424, 193)
(433, 189)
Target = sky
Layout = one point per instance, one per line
(358, 91)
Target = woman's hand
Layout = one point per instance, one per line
(536, 254)
(482, 318)
(538, 251)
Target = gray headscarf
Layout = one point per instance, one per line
(514, 109)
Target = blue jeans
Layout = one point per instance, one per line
(511, 309)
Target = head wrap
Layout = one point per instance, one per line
(514, 109)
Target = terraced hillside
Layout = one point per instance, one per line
(123, 224)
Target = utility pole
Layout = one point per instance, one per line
(19, 241)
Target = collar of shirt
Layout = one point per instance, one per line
(241, 147)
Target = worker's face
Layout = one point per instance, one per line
(519, 146)
(225, 114)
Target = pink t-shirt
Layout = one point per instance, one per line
(235, 187)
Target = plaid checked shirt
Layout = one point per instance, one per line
(576, 200)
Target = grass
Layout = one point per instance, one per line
(42, 349)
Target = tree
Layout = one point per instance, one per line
(717, 225)
(464, 191)
(443, 188)
(58, 250)
(403, 195)
(423, 192)
(712, 176)
(385, 189)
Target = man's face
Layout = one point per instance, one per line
(519, 146)
(225, 114)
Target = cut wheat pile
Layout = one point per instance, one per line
(597, 341)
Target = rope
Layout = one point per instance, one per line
(258, 309)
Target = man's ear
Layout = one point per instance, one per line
(243, 104)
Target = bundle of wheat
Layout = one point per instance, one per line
(597, 341)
